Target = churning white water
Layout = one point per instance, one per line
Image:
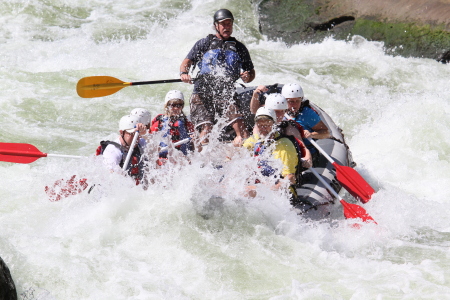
(192, 235)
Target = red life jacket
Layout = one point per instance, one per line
(178, 129)
(298, 143)
(135, 166)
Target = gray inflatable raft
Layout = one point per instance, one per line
(315, 201)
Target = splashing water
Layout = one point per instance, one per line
(192, 234)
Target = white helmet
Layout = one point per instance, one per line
(144, 115)
(292, 90)
(264, 111)
(276, 101)
(129, 123)
(174, 94)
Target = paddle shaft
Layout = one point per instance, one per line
(186, 140)
(322, 151)
(64, 156)
(154, 82)
(130, 151)
(329, 188)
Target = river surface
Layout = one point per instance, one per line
(192, 235)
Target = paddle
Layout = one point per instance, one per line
(133, 143)
(349, 178)
(186, 140)
(351, 211)
(24, 153)
(100, 86)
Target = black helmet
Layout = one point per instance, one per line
(222, 14)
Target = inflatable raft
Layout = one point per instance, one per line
(315, 201)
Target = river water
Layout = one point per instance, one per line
(192, 235)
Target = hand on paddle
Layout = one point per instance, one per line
(186, 78)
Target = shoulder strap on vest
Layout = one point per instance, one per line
(305, 103)
(159, 118)
(104, 144)
(300, 153)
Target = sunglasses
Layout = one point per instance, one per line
(176, 105)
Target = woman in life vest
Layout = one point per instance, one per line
(269, 143)
(302, 113)
(278, 104)
(115, 152)
(173, 124)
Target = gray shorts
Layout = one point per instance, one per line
(204, 111)
(212, 101)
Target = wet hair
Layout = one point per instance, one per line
(166, 106)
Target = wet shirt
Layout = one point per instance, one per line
(308, 118)
(284, 151)
(112, 156)
(202, 46)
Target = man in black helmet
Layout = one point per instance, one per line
(221, 60)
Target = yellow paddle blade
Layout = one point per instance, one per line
(99, 86)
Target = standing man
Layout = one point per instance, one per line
(221, 60)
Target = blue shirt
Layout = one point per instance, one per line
(308, 118)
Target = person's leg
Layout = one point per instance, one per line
(241, 132)
(202, 118)
(235, 116)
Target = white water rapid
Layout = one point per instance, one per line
(171, 241)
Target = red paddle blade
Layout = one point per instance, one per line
(19, 153)
(354, 183)
(64, 188)
(352, 211)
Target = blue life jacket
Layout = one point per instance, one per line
(297, 118)
(221, 59)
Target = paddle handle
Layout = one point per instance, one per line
(130, 151)
(155, 81)
(321, 150)
(62, 155)
(186, 140)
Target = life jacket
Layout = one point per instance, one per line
(177, 130)
(135, 168)
(221, 58)
(308, 144)
(267, 170)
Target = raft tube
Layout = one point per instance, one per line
(314, 200)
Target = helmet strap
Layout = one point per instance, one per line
(218, 32)
(123, 139)
(216, 24)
